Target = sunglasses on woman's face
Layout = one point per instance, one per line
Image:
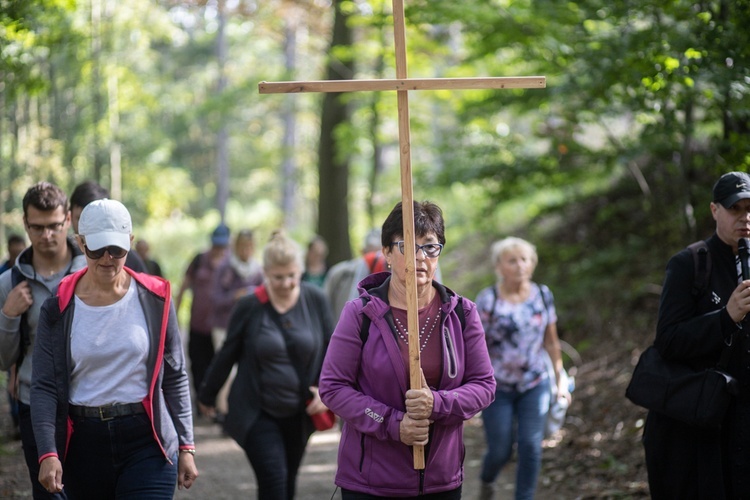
(114, 252)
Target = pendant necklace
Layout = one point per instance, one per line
(405, 335)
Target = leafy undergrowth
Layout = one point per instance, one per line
(598, 454)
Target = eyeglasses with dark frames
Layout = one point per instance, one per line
(39, 229)
(114, 252)
(430, 250)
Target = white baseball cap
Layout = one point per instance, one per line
(105, 223)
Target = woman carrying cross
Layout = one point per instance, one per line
(365, 375)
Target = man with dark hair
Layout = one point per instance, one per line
(143, 249)
(83, 194)
(34, 277)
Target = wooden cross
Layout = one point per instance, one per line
(402, 85)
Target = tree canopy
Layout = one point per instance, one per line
(608, 170)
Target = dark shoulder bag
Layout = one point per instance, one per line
(698, 398)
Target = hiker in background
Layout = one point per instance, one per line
(35, 277)
(143, 249)
(237, 276)
(365, 377)
(316, 266)
(520, 324)
(83, 194)
(199, 278)
(684, 461)
(341, 281)
(16, 245)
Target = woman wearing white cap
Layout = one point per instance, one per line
(110, 396)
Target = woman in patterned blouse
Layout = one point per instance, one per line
(520, 325)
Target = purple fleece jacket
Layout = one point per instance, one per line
(365, 386)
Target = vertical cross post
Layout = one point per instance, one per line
(407, 206)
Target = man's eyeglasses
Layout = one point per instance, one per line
(114, 252)
(430, 250)
(39, 229)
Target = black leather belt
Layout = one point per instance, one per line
(107, 412)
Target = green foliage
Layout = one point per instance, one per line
(608, 170)
(645, 107)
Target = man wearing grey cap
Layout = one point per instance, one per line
(694, 327)
(34, 277)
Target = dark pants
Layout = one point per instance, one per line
(275, 448)
(117, 458)
(30, 454)
(13, 404)
(201, 351)
(443, 495)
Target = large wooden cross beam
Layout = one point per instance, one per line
(402, 85)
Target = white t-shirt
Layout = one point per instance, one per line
(109, 347)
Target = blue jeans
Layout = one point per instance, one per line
(31, 456)
(516, 417)
(117, 458)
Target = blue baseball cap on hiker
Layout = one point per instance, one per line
(220, 236)
(731, 188)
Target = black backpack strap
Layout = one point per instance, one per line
(461, 313)
(17, 277)
(701, 267)
(364, 328)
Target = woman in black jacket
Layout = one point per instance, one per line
(277, 337)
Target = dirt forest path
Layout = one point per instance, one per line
(598, 455)
(225, 473)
